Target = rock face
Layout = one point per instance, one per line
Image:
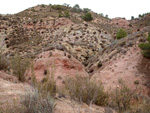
(57, 64)
(122, 22)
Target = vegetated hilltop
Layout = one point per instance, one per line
(64, 42)
(42, 28)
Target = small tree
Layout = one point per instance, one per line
(102, 14)
(87, 17)
(146, 47)
(76, 8)
(86, 10)
(140, 15)
(121, 34)
(132, 17)
(106, 16)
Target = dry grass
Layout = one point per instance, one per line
(122, 97)
(19, 66)
(35, 102)
(3, 63)
(32, 102)
(87, 91)
(48, 84)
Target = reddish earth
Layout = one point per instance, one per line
(123, 68)
(58, 66)
(120, 22)
(70, 106)
(10, 89)
(52, 23)
(62, 21)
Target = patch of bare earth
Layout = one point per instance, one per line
(70, 106)
(11, 90)
(124, 67)
(57, 65)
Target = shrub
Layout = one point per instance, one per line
(121, 34)
(43, 5)
(86, 10)
(35, 102)
(47, 85)
(58, 7)
(99, 64)
(84, 90)
(65, 14)
(87, 17)
(145, 47)
(132, 17)
(3, 63)
(76, 8)
(69, 56)
(106, 16)
(122, 97)
(146, 106)
(136, 82)
(19, 66)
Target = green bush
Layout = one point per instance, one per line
(87, 91)
(145, 47)
(87, 17)
(121, 34)
(58, 7)
(64, 14)
(132, 17)
(99, 64)
(86, 10)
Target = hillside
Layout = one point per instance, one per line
(60, 44)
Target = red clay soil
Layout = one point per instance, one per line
(58, 66)
(11, 90)
(121, 22)
(53, 23)
(123, 68)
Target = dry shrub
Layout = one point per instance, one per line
(41, 100)
(3, 63)
(122, 97)
(11, 107)
(47, 85)
(19, 66)
(143, 106)
(35, 102)
(87, 91)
